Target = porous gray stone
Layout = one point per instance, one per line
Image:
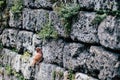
(57, 24)
(15, 20)
(104, 63)
(39, 3)
(18, 40)
(7, 57)
(97, 62)
(34, 20)
(109, 33)
(74, 55)
(37, 41)
(82, 28)
(16, 62)
(25, 41)
(8, 37)
(99, 4)
(1, 29)
(81, 76)
(52, 51)
(48, 72)
(10, 2)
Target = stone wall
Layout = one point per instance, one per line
(89, 52)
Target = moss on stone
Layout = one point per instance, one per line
(57, 74)
(48, 32)
(98, 19)
(17, 6)
(53, 75)
(71, 76)
(67, 12)
(2, 4)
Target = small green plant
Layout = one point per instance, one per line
(53, 1)
(25, 56)
(98, 19)
(67, 12)
(14, 50)
(48, 32)
(53, 75)
(109, 12)
(8, 70)
(60, 74)
(1, 72)
(1, 45)
(71, 76)
(1, 3)
(17, 6)
(57, 74)
(19, 76)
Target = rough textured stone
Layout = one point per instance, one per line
(1, 29)
(37, 41)
(8, 37)
(48, 72)
(57, 24)
(72, 53)
(34, 20)
(24, 40)
(18, 40)
(98, 63)
(16, 62)
(15, 20)
(104, 63)
(53, 51)
(7, 57)
(84, 59)
(19, 63)
(39, 3)
(7, 77)
(99, 4)
(81, 76)
(83, 30)
(10, 2)
(109, 33)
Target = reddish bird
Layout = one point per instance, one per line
(38, 56)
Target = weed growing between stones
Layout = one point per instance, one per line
(26, 55)
(109, 12)
(1, 45)
(1, 70)
(14, 50)
(4, 14)
(71, 76)
(53, 1)
(53, 75)
(2, 4)
(17, 6)
(67, 12)
(18, 75)
(57, 74)
(98, 19)
(10, 71)
(48, 32)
